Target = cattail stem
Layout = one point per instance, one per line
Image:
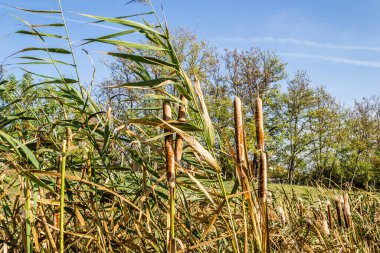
(28, 216)
(255, 165)
(240, 160)
(170, 170)
(62, 199)
(247, 163)
(178, 157)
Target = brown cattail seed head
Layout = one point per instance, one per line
(338, 210)
(341, 200)
(69, 134)
(179, 140)
(308, 221)
(239, 135)
(259, 123)
(346, 204)
(325, 227)
(263, 177)
(281, 215)
(269, 197)
(169, 152)
(301, 208)
(182, 110)
(346, 210)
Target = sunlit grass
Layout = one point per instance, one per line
(126, 185)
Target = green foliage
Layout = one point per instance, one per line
(109, 177)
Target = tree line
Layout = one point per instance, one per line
(311, 136)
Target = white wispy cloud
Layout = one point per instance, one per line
(299, 42)
(363, 63)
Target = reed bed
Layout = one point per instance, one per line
(79, 179)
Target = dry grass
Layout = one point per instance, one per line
(152, 183)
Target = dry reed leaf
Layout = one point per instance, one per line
(196, 181)
(81, 180)
(197, 147)
(209, 128)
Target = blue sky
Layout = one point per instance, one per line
(336, 41)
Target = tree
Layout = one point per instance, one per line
(197, 58)
(325, 128)
(298, 102)
(251, 72)
(364, 141)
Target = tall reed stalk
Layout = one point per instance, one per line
(118, 165)
(240, 161)
(28, 216)
(262, 182)
(62, 199)
(170, 170)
